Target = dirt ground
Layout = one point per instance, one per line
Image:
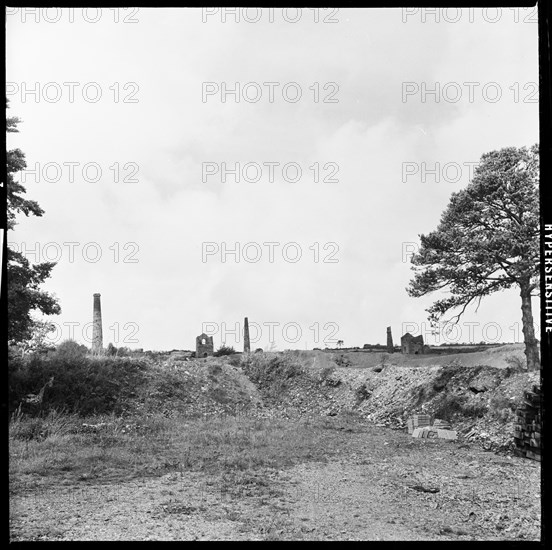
(380, 484)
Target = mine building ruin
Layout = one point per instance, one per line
(412, 345)
(204, 346)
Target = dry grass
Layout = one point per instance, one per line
(66, 448)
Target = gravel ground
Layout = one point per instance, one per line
(382, 485)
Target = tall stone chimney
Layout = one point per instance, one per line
(97, 337)
(246, 344)
(390, 347)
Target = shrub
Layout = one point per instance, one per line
(224, 350)
(342, 361)
(69, 349)
(516, 362)
(82, 385)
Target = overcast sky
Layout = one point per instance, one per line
(366, 115)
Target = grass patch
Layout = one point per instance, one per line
(109, 448)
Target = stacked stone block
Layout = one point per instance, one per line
(418, 421)
(528, 426)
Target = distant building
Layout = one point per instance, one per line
(412, 344)
(204, 346)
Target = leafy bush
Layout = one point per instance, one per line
(224, 350)
(69, 349)
(516, 362)
(342, 361)
(82, 385)
(124, 352)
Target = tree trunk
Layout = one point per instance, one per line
(531, 346)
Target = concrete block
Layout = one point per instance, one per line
(423, 432)
(446, 434)
(432, 433)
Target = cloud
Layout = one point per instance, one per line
(363, 141)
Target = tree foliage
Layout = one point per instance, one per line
(487, 239)
(23, 279)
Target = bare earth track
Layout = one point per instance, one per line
(380, 485)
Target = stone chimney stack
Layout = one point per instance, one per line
(97, 337)
(390, 347)
(246, 344)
